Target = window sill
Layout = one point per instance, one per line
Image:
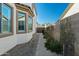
(2, 35)
(20, 32)
(30, 31)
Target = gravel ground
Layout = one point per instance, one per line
(41, 50)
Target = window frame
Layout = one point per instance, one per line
(32, 24)
(11, 22)
(0, 16)
(17, 32)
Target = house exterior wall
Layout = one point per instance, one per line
(73, 10)
(7, 43)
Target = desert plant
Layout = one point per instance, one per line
(52, 44)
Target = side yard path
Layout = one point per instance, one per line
(35, 47)
(41, 49)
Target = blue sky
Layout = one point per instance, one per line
(49, 12)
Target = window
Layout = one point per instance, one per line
(21, 22)
(0, 17)
(0, 25)
(6, 27)
(6, 18)
(30, 23)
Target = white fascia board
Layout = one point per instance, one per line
(73, 10)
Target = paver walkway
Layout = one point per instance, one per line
(33, 48)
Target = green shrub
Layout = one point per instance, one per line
(52, 44)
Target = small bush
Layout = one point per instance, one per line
(52, 44)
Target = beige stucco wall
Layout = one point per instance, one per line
(57, 31)
(73, 12)
(7, 43)
(75, 28)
